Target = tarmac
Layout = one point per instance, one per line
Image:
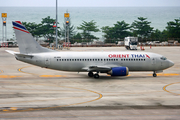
(30, 92)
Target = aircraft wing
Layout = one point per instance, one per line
(94, 68)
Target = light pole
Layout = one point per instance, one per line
(56, 25)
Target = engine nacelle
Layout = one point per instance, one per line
(119, 71)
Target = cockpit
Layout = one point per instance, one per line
(163, 58)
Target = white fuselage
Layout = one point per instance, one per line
(78, 61)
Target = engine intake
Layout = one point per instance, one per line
(119, 71)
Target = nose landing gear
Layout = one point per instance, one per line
(154, 74)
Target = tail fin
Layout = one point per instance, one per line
(27, 44)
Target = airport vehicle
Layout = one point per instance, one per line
(131, 43)
(112, 63)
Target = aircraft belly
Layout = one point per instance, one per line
(68, 66)
(140, 66)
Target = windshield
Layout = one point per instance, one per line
(163, 58)
(133, 43)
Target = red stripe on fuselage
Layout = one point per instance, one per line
(20, 29)
(147, 56)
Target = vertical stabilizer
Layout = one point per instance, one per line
(27, 44)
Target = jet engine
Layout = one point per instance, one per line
(119, 71)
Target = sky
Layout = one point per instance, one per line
(89, 3)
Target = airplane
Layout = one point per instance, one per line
(112, 63)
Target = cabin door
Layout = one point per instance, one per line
(153, 61)
(47, 62)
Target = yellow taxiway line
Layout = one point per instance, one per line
(44, 76)
(12, 109)
(164, 88)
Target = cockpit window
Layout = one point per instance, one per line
(163, 58)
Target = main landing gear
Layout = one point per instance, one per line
(154, 74)
(90, 74)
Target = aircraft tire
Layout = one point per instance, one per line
(90, 74)
(154, 75)
(96, 76)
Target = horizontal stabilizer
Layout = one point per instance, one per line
(24, 55)
(12, 52)
(18, 54)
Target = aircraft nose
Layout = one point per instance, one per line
(171, 63)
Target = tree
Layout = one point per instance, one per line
(119, 31)
(47, 28)
(44, 29)
(33, 28)
(173, 29)
(88, 28)
(157, 35)
(76, 38)
(141, 28)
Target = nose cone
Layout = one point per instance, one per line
(171, 63)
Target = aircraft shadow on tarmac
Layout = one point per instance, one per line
(109, 78)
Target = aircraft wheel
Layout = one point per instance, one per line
(90, 74)
(154, 75)
(96, 75)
